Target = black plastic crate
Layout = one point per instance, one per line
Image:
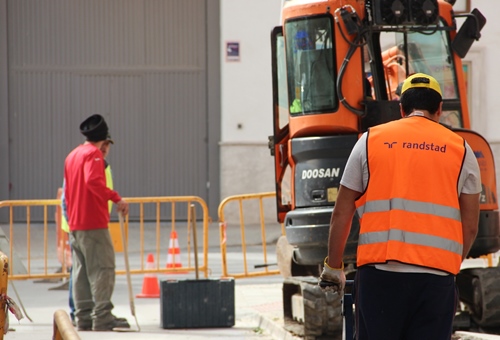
(200, 303)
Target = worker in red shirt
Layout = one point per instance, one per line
(86, 196)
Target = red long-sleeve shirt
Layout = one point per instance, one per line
(86, 193)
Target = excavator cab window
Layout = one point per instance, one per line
(411, 52)
(280, 86)
(311, 71)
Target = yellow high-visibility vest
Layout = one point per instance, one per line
(109, 184)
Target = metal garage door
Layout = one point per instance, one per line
(143, 64)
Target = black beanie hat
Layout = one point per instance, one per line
(94, 128)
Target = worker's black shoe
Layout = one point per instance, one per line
(83, 327)
(83, 324)
(120, 319)
(116, 323)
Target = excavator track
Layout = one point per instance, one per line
(479, 289)
(310, 312)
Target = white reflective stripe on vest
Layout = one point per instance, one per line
(410, 206)
(411, 238)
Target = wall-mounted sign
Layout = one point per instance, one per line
(232, 51)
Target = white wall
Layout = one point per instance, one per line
(485, 55)
(246, 164)
(246, 84)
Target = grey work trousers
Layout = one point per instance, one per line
(93, 276)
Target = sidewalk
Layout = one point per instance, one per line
(258, 311)
(258, 303)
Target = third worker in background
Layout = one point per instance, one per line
(415, 187)
(86, 196)
(106, 145)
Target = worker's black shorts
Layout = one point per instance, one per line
(403, 306)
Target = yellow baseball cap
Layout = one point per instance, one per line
(421, 80)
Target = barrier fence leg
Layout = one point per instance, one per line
(63, 328)
(4, 280)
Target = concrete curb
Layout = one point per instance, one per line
(476, 336)
(276, 330)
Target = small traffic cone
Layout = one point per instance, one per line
(150, 287)
(174, 253)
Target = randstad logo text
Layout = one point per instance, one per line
(425, 146)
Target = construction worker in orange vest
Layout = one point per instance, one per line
(415, 187)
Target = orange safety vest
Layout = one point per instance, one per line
(410, 210)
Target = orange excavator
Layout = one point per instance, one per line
(337, 68)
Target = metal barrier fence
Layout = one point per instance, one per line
(225, 228)
(32, 258)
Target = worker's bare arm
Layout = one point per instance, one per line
(340, 225)
(469, 210)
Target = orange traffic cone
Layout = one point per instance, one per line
(150, 287)
(174, 253)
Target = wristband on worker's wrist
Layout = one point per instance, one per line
(327, 266)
